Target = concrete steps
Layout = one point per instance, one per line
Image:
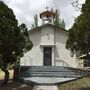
(46, 71)
(46, 75)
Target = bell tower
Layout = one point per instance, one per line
(47, 17)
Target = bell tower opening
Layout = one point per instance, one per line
(47, 17)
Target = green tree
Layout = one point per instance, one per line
(36, 20)
(62, 24)
(14, 40)
(80, 31)
(57, 20)
(32, 26)
(35, 23)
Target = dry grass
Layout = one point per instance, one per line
(83, 82)
(13, 85)
(2, 74)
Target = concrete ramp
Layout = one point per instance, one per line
(46, 80)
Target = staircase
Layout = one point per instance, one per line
(46, 74)
(46, 71)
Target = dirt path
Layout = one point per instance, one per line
(15, 85)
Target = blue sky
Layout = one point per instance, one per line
(26, 9)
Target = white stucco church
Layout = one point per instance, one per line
(48, 62)
(48, 45)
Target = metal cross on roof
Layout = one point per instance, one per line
(47, 8)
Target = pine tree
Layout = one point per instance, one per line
(80, 31)
(35, 23)
(36, 20)
(62, 24)
(13, 39)
(57, 20)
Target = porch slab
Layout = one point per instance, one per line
(47, 80)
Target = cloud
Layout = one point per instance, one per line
(26, 9)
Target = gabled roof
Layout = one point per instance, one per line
(47, 25)
(47, 13)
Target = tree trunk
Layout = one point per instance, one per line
(6, 77)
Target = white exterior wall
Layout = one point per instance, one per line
(62, 55)
(47, 40)
(35, 52)
(48, 37)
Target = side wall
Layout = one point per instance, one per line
(32, 57)
(62, 55)
(48, 37)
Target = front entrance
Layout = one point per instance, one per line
(47, 56)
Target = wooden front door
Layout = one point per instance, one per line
(47, 56)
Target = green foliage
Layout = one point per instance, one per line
(14, 40)
(80, 31)
(62, 24)
(25, 32)
(32, 26)
(57, 20)
(35, 23)
(74, 85)
(36, 20)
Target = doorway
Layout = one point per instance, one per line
(47, 56)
